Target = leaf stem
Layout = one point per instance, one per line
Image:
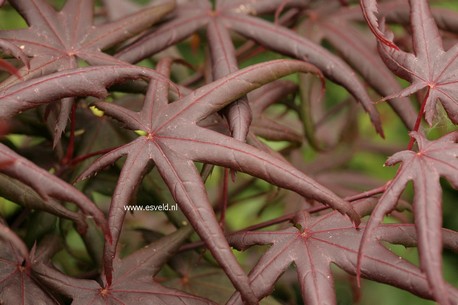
(419, 117)
(71, 143)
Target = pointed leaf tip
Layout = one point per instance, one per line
(369, 9)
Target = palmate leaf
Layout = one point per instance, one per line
(424, 168)
(133, 281)
(173, 140)
(429, 67)
(17, 286)
(314, 243)
(200, 277)
(55, 41)
(194, 15)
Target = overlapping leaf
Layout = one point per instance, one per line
(49, 187)
(189, 130)
(235, 15)
(199, 277)
(173, 141)
(264, 126)
(23, 195)
(430, 66)
(8, 47)
(133, 281)
(424, 168)
(88, 81)
(55, 41)
(339, 26)
(314, 243)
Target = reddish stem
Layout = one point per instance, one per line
(71, 143)
(419, 117)
(6, 66)
(87, 156)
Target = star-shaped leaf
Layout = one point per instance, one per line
(17, 285)
(424, 168)
(430, 66)
(200, 277)
(55, 41)
(314, 243)
(133, 281)
(173, 142)
(240, 17)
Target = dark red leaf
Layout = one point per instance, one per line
(133, 281)
(190, 17)
(173, 140)
(56, 40)
(369, 8)
(314, 243)
(17, 286)
(429, 67)
(89, 81)
(424, 167)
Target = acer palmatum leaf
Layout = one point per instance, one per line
(192, 16)
(314, 243)
(8, 236)
(6, 66)
(55, 41)
(397, 11)
(429, 67)
(258, 7)
(173, 140)
(16, 284)
(424, 168)
(12, 49)
(133, 281)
